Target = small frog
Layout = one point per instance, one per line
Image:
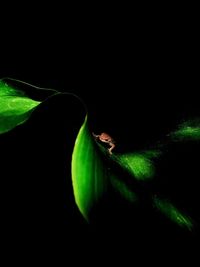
(105, 138)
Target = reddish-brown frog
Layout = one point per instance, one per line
(106, 138)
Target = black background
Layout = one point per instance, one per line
(138, 75)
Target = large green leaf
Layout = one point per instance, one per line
(15, 107)
(89, 175)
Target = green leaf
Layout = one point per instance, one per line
(89, 175)
(15, 107)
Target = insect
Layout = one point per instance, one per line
(106, 138)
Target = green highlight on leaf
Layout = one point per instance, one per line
(89, 174)
(139, 165)
(187, 131)
(15, 107)
(172, 213)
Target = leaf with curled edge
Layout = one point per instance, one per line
(16, 106)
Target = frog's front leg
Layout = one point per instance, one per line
(95, 135)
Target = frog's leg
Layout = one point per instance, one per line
(112, 145)
(95, 135)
